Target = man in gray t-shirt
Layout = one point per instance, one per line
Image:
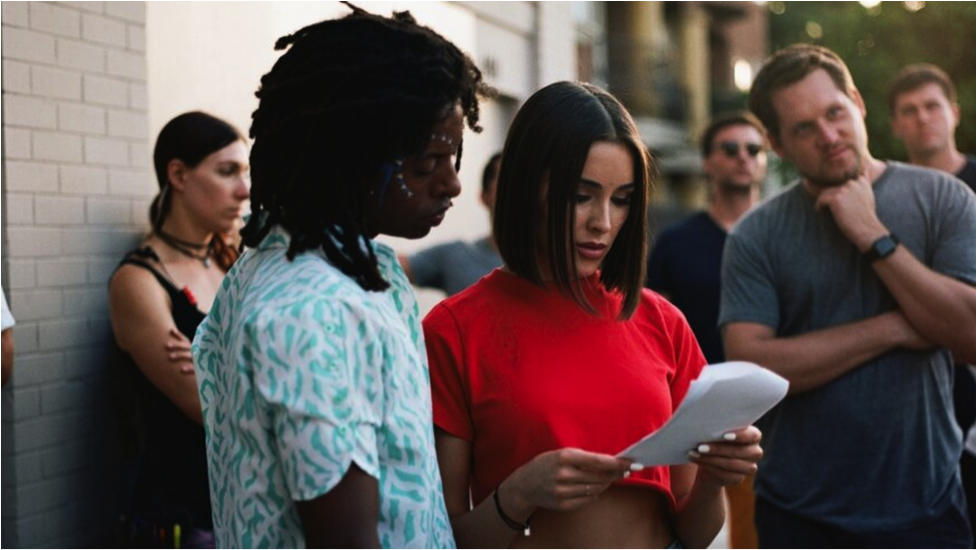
(853, 284)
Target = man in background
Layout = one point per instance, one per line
(453, 266)
(684, 264)
(924, 115)
(7, 334)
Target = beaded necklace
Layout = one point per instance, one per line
(188, 248)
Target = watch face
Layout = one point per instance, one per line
(884, 247)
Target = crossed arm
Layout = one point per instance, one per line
(143, 325)
(934, 309)
(939, 308)
(813, 359)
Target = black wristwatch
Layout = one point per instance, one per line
(882, 248)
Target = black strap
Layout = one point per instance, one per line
(513, 524)
(139, 256)
(186, 314)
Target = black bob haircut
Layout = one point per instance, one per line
(544, 156)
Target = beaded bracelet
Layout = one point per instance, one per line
(513, 524)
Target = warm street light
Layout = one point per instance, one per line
(914, 6)
(742, 75)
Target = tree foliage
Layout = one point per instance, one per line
(876, 42)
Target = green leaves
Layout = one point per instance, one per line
(877, 42)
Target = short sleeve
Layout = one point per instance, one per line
(448, 385)
(322, 388)
(688, 358)
(748, 293)
(955, 235)
(7, 318)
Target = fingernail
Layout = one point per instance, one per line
(703, 448)
(729, 437)
(635, 467)
(694, 454)
(626, 475)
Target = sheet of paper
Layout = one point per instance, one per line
(726, 396)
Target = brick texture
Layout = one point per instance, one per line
(74, 117)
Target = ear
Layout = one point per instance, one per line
(176, 172)
(955, 107)
(856, 97)
(707, 168)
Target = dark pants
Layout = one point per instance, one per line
(967, 466)
(778, 528)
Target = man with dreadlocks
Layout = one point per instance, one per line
(312, 370)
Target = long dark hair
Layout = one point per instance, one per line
(549, 141)
(348, 96)
(190, 138)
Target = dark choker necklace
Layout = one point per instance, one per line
(187, 248)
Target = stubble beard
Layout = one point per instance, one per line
(734, 189)
(848, 175)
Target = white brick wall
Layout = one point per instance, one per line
(74, 200)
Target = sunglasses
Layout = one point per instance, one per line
(732, 149)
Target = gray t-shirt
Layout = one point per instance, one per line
(878, 447)
(454, 266)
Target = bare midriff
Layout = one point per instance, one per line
(621, 517)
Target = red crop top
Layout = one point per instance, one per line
(518, 370)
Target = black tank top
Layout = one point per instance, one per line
(168, 448)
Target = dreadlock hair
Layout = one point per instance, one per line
(190, 137)
(349, 95)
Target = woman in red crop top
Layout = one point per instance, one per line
(548, 367)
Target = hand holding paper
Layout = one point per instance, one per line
(726, 396)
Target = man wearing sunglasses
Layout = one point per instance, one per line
(685, 262)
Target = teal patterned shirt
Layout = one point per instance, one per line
(302, 373)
